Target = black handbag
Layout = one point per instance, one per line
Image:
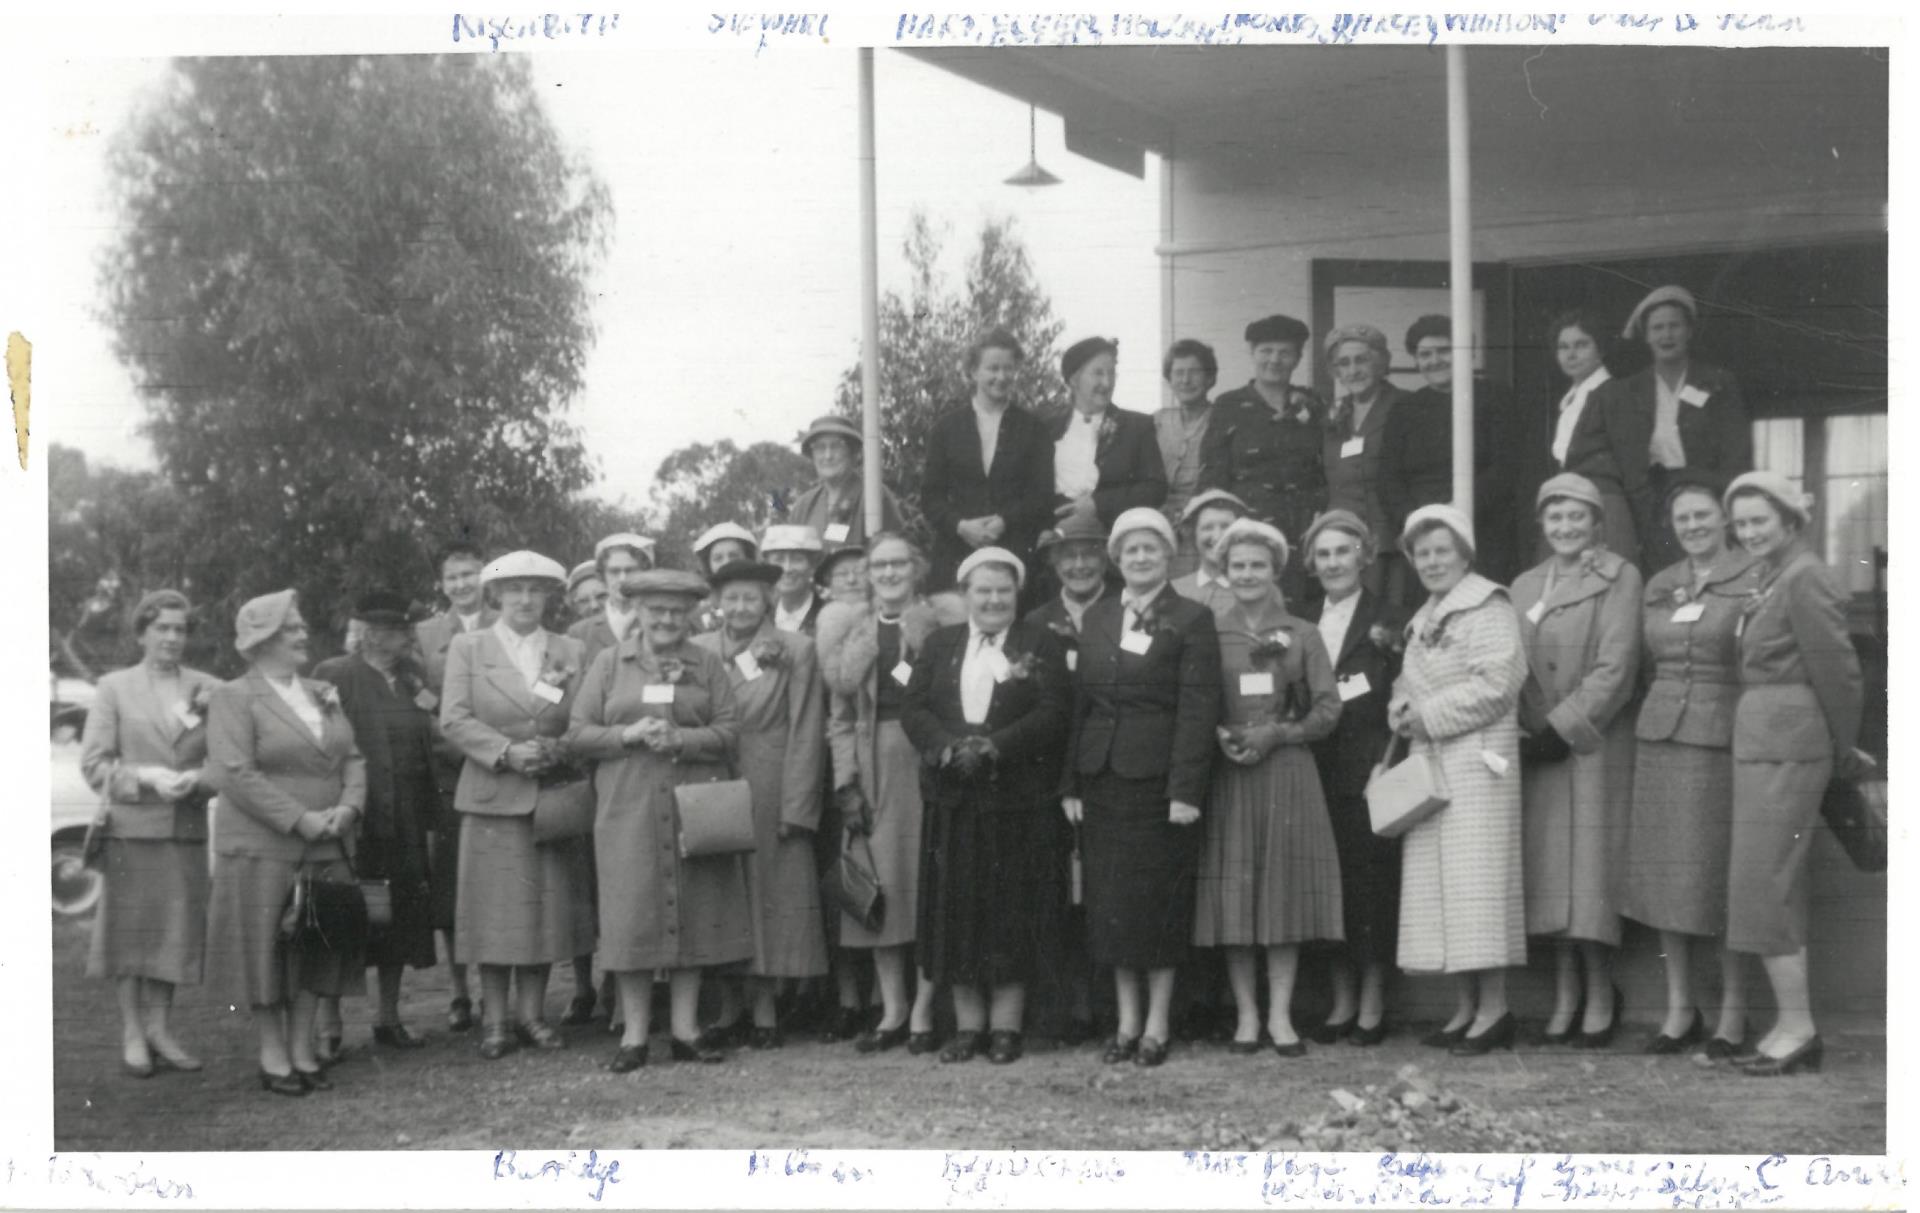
(853, 884)
(326, 914)
(1538, 749)
(1857, 815)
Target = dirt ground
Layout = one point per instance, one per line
(444, 1097)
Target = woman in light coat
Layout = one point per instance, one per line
(145, 751)
(868, 653)
(783, 755)
(1462, 904)
(1796, 728)
(523, 904)
(292, 785)
(657, 711)
(1580, 623)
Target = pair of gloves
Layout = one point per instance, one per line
(171, 784)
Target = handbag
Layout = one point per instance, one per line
(1402, 795)
(562, 811)
(326, 914)
(853, 884)
(716, 817)
(1857, 815)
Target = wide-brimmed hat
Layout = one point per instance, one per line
(677, 582)
(986, 556)
(516, 565)
(788, 538)
(1140, 518)
(260, 619)
(839, 427)
(383, 608)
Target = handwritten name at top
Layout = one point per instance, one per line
(766, 26)
(1233, 29)
(543, 27)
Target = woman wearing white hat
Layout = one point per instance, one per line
(1679, 413)
(1139, 757)
(1580, 623)
(620, 558)
(524, 904)
(1462, 902)
(291, 787)
(1796, 728)
(835, 507)
(718, 546)
(796, 552)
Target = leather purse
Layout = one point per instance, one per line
(1856, 812)
(853, 884)
(716, 817)
(326, 914)
(1401, 795)
(562, 811)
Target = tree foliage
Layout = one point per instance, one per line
(924, 337)
(711, 482)
(354, 293)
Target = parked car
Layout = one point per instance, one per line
(76, 887)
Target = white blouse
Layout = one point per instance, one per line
(1572, 405)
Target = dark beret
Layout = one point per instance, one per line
(1084, 351)
(1278, 328)
(383, 607)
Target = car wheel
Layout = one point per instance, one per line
(76, 887)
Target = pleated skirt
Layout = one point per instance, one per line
(1679, 835)
(1269, 870)
(152, 918)
(247, 964)
(521, 903)
(1776, 809)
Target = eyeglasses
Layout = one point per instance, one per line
(889, 565)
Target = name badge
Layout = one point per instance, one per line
(1136, 643)
(1256, 684)
(1352, 447)
(1689, 613)
(748, 667)
(1693, 396)
(837, 532)
(186, 715)
(548, 692)
(1353, 686)
(997, 665)
(1073, 660)
(1495, 762)
(657, 692)
(1537, 611)
(426, 700)
(903, 673)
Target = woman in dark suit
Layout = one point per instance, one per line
(144, 751)
(386, 700)
(1105, 460)
(1679, 413)
(987, 709)
(1139, 757)
(292, 784)
(1795, 729)
(525, 901)
(1363, 635)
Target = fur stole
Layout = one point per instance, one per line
(847, 636)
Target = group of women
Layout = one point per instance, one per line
(1109, 772)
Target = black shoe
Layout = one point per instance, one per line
(1007, 1048)
(1446, 1038)
(1807, 1057)
(395, 1035)
(1297, 1049)
(963, 1047)
(313, 1080)
(539, 1034)
(727, 1036)
(1719, 1048)
(684, 1050)
(879, 1040)
(844, 1024)
(766, 1038)
(919, 1044)
(282, 1084)
(1604, 1037)
(628, 1058)
(460, 1015)
(1121, 1049)
(1499, 1036)
(1366, 1038)
(1077, 1032)
(1662, 1044)
(580, 1009)
(328, 1051)
(1327, 1033)
(1245, 1048)
(497, 1045)
(1152, 1052)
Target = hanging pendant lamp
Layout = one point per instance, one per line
(1032, 176)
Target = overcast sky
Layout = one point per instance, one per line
(728, 304)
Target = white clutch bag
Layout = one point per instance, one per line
(1401, 795)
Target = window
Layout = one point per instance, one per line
(1848, 458)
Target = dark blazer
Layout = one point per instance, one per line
(1353, 481)
(1346, 756)
(1026, 718)
(365, 697)
(954, 488)
(1148, 715)
(434, 635)
(269, 769)
(1609, 446)
(1127, 452)
(1416, 467)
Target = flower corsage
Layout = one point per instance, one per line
(672, 670)
(1021, 668)
(1386, 639)
(1271, 649)
(558, 672)
(768, 653)
(329, 698)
